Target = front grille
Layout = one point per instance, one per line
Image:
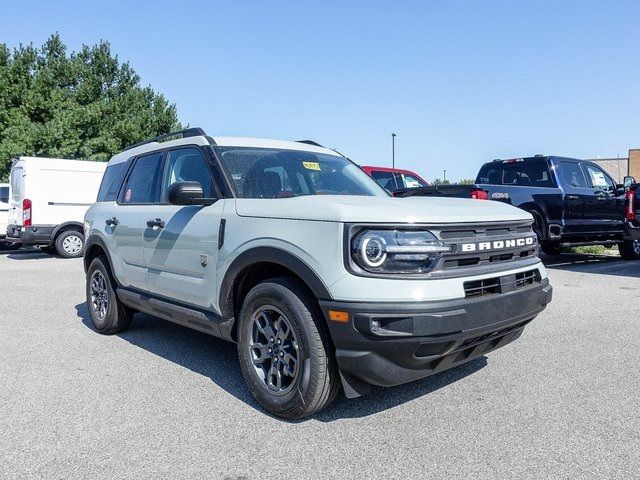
(503, 284)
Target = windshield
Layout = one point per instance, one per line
(273, 173)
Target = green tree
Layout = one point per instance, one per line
(466, 181)
(439, 181)
(84, 104)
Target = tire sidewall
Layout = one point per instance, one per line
(294, 308)
(109, 319)
(60, 240)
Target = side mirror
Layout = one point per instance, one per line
(628, 181)
(188, 193)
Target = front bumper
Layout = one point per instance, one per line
(389, 344)
(33, 235)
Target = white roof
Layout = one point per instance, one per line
(223, 142)
(60, 163)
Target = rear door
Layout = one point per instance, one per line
(181, 242)
(136, 203)
(578, 196)
(16, 180)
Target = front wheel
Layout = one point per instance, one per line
(284, 349)
(70, 244)
(630, 249)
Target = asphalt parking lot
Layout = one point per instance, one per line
(163, 401)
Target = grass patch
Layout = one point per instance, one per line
(593, 250)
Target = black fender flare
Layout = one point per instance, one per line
(93, 240)
(271, 255)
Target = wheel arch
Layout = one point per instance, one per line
(63, 227)
(256, 265)
(94, 247)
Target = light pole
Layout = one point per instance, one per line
(393, 150)
(444, 176)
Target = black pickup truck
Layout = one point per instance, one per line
(573, 202)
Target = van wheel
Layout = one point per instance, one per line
(551, 249)
(630, 249)
(285, 353)
(70, 244)
(107, 313)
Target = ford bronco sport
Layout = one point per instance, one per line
(319, 275)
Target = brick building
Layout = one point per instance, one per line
(619, 168)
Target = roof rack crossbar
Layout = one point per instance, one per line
(310, 142)
(186, 133)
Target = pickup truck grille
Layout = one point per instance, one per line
(484, 248)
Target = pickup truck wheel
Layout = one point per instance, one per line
(630, 249)
(551, 249)
(285, 353)
(70, 244)
(106, 312)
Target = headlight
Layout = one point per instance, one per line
(397, 251)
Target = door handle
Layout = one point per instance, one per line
(112, 222)
(573, 197)
(155, 223)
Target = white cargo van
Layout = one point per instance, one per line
(49, 197)
(4, 209)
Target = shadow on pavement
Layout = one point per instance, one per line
(597, 264)
(218, 360)
(26, 254)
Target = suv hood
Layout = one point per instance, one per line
(352, 209)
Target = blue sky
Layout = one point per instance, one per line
(460, 82)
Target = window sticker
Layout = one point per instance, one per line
(311, 165)
(598, 179)
(127, 197)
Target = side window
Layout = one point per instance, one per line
(412, 182)
(111, 182)
(572, 175)
(4, 194)
(142, 184)
(384, 179)
(599, 180)
(490, 174)
(187, 165)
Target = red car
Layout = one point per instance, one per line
(394, 178)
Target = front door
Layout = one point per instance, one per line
(605, 210)
(180, 243)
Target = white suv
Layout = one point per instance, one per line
(292, 251)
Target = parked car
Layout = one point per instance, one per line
(49, 197)
(392, 179)
(574, 202)
(320, 276)
(4, 210)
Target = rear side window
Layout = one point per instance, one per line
(142, 184)
(17, 184)
(573, 175)
(111, 182)
(4, 194)
(532, 173)
(385, 179)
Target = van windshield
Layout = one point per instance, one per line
(275, 173)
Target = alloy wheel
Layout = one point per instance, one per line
(99, 295)
(274, 349)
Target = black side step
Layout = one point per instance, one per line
(203, 321)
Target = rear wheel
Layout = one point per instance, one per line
(106, 311)
(630, 249)
(551, 249)
(70, 244)
(285, 352)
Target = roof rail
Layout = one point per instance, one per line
(187, 132)
(310, 142)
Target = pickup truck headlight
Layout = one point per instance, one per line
(396, 251)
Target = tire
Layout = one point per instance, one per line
(110, 317)
(630, 249)
(70, 244)
(308, 379)
(551, 249)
